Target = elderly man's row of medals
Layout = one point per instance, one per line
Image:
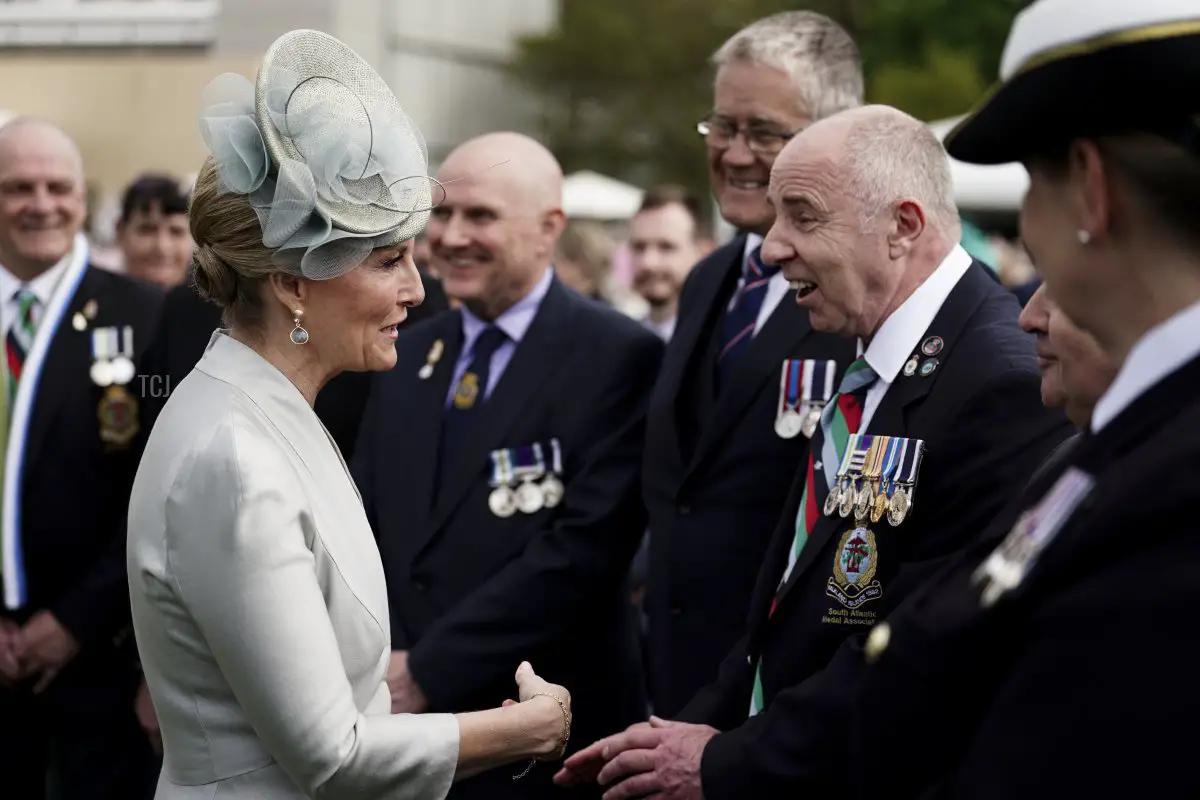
(526, 479)
(876, 478)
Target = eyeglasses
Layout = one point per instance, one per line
(720, 132)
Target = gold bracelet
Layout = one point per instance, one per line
(562, 748)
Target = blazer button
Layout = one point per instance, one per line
(877, 642)
(419, 586)
(685, 510)
(676, 611)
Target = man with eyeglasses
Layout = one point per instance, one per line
(722, 444)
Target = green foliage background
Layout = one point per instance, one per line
(623, 82)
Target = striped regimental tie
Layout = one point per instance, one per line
(839, 420)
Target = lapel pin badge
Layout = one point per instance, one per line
(910, 368)
(431, 359)
(932, 346)
(82, 317)
(928, 367)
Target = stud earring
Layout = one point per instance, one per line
(1084, 236)
(299, 335)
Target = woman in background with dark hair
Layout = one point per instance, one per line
(152, 231)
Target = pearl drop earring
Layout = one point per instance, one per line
(1084, 236)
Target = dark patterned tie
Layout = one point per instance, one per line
(738, 329)
(469, 395)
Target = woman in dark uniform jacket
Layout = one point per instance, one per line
(1057, 659)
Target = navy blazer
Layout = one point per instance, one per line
(715, 475)
(75, 488)
(472, 594)
(985, 432)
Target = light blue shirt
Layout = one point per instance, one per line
(514, 322)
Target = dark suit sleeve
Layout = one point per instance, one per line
(540, 596)
(997, 440)
(724, 703)
(97, 609)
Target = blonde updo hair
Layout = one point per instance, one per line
(232, 265)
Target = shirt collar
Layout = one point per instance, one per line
(901, 332)
(753, 240)
(43, 285)
(516, 320)
(1162, 350)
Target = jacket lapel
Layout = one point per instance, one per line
(68, 357)
(688, 344)
(418, 417)
(535, 360)
(50, 374)
(784, 330)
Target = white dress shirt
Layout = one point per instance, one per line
(43, 286)
(900, 334)
(514, 323)
(1163, 350)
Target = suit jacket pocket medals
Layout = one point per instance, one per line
(522, 480)
(877, 478)
(112, 369)
(1007, 566)
(805, 386)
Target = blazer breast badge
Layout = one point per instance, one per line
(876, 479)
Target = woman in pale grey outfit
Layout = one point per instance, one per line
(258, 594)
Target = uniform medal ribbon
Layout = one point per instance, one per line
(529, 464)
(788, 420)
(502, 500)
(552, 485)
(1008, 565)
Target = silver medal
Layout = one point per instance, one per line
(122, 370)
(789, 424)
(502, 502)
(529, 497)
(552, 491)
(811, 420)
(102, 373)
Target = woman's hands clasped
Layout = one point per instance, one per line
(553, 705)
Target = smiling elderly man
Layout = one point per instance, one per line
(933, 430)
(75, 430)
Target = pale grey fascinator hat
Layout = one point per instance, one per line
(332, 165)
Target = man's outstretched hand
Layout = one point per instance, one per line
(661, 758)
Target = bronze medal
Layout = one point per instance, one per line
(880, 506)
(118, 413)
